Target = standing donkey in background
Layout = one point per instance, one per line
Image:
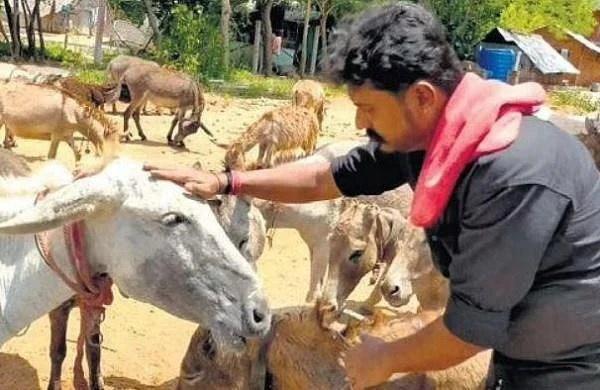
(165, 88)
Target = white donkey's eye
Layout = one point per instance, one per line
(243, 244)
(173, 219)
(355, 256)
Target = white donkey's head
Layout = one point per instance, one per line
(244, 224)
(159, 246)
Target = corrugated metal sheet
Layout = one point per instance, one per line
(544, 57)
(584, 41)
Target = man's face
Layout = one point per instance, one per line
(402, 122)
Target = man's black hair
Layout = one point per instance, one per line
(392, 47)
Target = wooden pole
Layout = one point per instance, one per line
(68, 29)
(315, 51)
(98, 53)
(38, 20)
(304, 54)
(267, 37)
(256, 56)
(17, 28)
(225, 21)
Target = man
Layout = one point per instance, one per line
(511, 205)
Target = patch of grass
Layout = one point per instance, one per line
(81, 65)
(91, 76)
(578, 102)
(68, 58)
(243, 83)
(333, 91)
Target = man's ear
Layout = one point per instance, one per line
(423, 94)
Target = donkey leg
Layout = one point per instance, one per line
(126, 116)
(319, 258)
(261, 152)
(9, 139)
(145, 108)
(93, 350)
(136, 119)
(54, 141)
(71, 142)
(267, 161)
(59, 319)
(170, 133)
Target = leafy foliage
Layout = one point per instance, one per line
(580, 102)
(68, 58)
(132, 10)
(467, 21)
(193, 43)
(527, 16)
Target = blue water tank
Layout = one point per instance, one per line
(499, 63)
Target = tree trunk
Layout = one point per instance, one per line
(29, 23)
(256, 49)
(9, 18)
(153, 22)
(98, 53)
(38, 18)
(17, 29)
(323, 22)
(266, 6)
(315, 51)
(3, 32)
(225, 19)
(304, 55)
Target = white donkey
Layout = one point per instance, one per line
(158, 245)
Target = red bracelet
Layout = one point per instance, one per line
(236, 183)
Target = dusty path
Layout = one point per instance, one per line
(144, 346)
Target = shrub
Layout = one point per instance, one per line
(579, 101)
(193, 43)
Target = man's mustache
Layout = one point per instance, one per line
(374, 136)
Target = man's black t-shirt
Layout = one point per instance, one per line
(519, 241)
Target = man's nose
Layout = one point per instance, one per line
(361, 120)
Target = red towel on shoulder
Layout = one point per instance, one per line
(481, 117)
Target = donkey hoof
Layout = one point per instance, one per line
(55, 385)
(143, 137)
(97, 385)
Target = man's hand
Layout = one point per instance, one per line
(200, 183)
(432, 348)
(366, 363)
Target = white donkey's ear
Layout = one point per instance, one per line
(76, 201)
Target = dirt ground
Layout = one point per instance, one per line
(143, 346)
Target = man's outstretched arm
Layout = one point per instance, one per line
(290, 183)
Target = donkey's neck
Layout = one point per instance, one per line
(28, 288)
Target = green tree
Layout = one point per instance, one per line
(194, 43)
(526, 16)
(468, 21)
(339, 9)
